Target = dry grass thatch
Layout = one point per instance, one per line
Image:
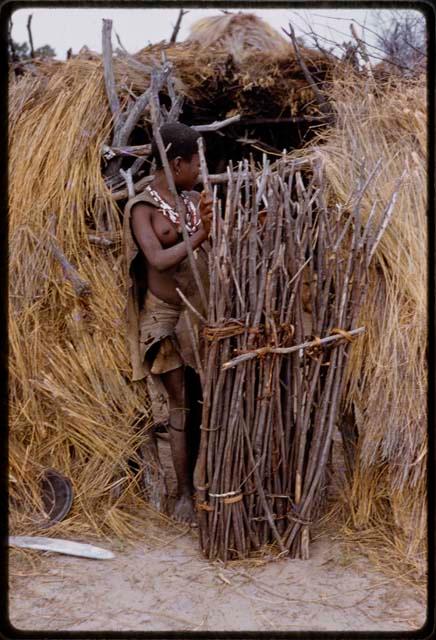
(235, 62)
(387, 372)
(71, 406)
(239, 35)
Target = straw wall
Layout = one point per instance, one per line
(387, 371)
(71, 407)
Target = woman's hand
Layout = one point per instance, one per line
(205, 210)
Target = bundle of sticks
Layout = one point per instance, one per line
(287, 279)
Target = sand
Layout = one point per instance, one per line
(171, 587)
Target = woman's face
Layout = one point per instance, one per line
(187, 172)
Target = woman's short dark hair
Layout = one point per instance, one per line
(178, 139)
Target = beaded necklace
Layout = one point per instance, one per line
(192, 219)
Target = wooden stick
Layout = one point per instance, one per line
(131, 61)
(387, 215)
(98, 240)
(363, 52)
(191, 307)
(287, 350)
(29, 31)
(139, 150)
(127, 175)
(248, 121)
(138, 108)
(109, 77)
(194, 343)
(138, 186)
(177, 25)
(11, 42)
(203, 165)
(81, 287)
(217, 125)
(323, 103)
(262, 493)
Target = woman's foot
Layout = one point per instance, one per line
(184, 511)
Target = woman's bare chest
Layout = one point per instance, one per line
(166, 231)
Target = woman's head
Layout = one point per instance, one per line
(180, 143)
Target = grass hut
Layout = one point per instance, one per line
(72, 406)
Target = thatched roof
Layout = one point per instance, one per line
(239, 35)
(237, 61)
(213, 81)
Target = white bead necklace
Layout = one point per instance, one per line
(192, 218)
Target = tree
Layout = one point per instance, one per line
(46, 51)
(21, 51)
(401, 35)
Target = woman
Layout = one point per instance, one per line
(157, 259)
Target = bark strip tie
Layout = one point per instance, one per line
(233, 499)
(225, 495)
(345, 334)
(203, 506)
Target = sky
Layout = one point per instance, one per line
(63, 28)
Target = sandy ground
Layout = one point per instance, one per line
(172, 587)
(164, 583)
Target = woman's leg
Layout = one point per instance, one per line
(174, 383)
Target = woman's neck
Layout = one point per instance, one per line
(160, 183)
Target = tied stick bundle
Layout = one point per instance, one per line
(273, 385)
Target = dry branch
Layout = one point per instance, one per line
(323, 103)
(177, 25)
(217, 125)
(29, 31)
(81, 287)
(363, 51)
(203, 165)
(11, 42)
(100, 240)
(263, 351)
(109, 77)
(138, 108)
(133, 151)
(132, 61)
(251, 121)
(127, 176)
